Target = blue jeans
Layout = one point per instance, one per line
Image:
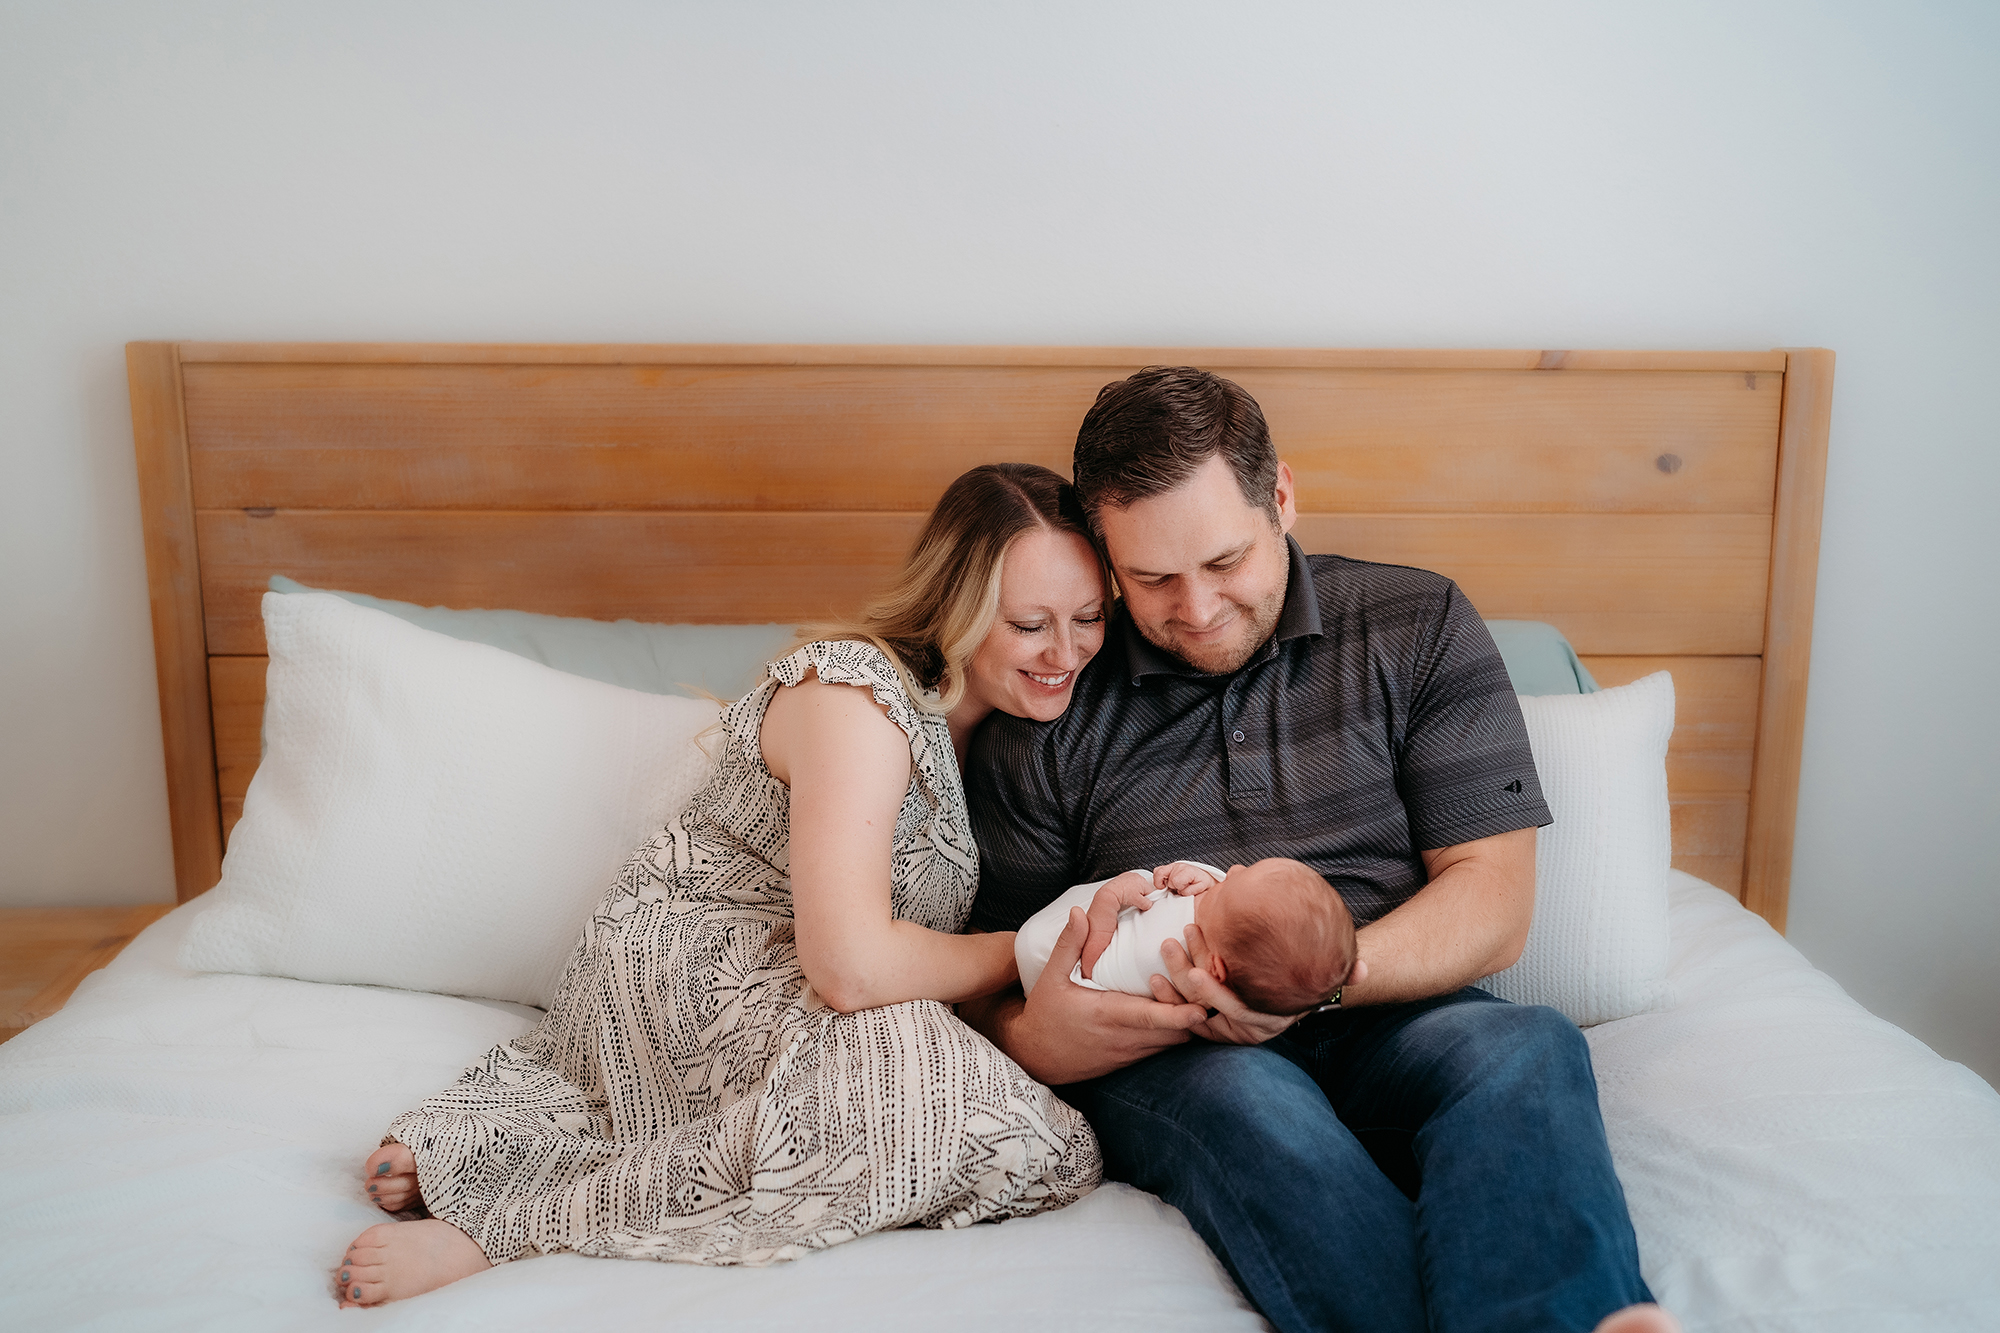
(1436, 1165)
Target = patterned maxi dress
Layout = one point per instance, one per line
(688, 1097)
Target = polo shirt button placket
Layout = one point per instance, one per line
(1248, 781)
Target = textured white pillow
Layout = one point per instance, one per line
(1598, 947)
(432, 814)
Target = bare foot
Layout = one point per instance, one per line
(1640, 1319)
(391, 1173)
(392, 1261)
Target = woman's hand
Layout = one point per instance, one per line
(1063, 1033)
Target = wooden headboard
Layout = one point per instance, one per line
(1661, 508)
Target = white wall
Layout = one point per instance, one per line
(1530, 175)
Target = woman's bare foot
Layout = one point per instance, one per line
(391, 1173)
(392, 1261)
(1640, 1319)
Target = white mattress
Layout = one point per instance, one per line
(181, 1152)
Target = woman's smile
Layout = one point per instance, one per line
(1049, 623)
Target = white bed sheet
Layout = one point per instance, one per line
(180, 1152)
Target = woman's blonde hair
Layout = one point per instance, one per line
(937, 611)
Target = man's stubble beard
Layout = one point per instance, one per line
(1221, 659)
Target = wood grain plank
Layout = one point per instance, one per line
(619, 437)
(1614, 584)
(1709, 832)
(877, 354)
(236, 685)
(173, 586)
(1715, 716)
(1649, 583)
(364, 436)
(672, 568)
(1781, 723)
(1461, 442)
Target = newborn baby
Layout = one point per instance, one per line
(1276, 933)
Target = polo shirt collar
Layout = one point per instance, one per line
(1297, 619)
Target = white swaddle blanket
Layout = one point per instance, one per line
(1134, 953)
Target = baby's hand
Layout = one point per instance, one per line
(1128, 890)
(1184, 878)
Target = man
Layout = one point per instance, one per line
(1417, 1154)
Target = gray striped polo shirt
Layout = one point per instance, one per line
(1377, 720)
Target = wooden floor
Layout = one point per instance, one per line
(46, 951)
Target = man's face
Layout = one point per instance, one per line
(1203, 572)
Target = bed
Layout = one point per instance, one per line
(180, 1148)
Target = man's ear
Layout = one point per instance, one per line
(1287, 495)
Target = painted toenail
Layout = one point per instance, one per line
(357, 1293)
(345, 1275)
(382, 1170)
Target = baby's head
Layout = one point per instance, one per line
(1282, 934)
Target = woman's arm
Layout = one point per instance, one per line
(848, 767)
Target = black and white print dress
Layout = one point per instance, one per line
(687, 1096)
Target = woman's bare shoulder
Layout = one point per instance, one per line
(817, 720)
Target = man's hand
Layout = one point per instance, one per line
(1064, 1033)
(1227, 1019)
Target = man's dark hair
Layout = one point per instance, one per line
(1146, 435)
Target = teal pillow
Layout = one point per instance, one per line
(719, 660)
(1539, 659)
(726, 660)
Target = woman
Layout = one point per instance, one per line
(750, 1055)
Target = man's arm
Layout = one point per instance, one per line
(1469, 922)
(1469, 785)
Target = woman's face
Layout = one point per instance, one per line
(1050, 622)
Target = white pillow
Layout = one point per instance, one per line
(1597, 949)
(432, 814)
